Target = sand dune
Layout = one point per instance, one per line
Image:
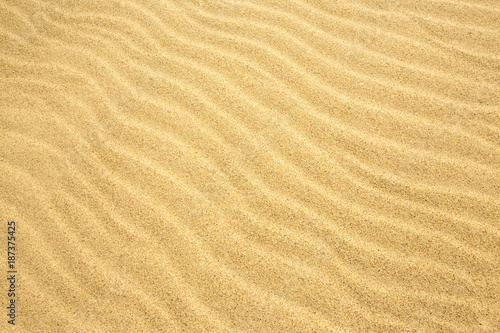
(251, 166)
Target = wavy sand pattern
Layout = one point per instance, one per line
(252, 166)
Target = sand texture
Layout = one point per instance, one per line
(251, 165)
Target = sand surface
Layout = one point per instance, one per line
(251, 166)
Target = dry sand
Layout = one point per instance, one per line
(251, 166)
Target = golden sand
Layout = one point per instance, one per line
(251, 166)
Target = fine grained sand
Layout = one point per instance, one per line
(251, 166)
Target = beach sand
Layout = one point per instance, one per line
(250, 166)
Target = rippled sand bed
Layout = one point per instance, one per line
(251, 166)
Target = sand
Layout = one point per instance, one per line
(251, 166)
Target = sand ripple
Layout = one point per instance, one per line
(253, 166)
